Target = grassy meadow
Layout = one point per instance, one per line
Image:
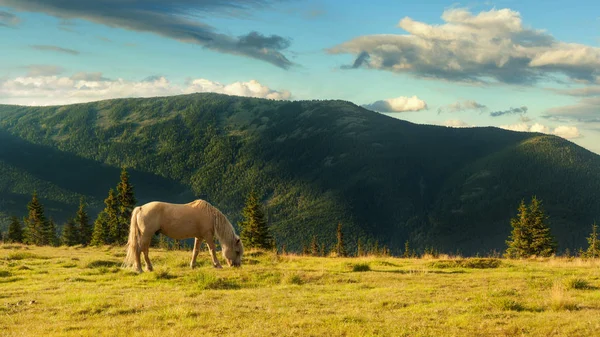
(76, 291)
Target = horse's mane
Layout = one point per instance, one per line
(223, 228)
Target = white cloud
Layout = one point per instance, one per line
(86, 87)
(463, 106)
(492, 46)
(455, 123)
(564, 131)
(398, 104)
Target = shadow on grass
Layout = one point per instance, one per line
(102, 263)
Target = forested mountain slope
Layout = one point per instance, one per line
(315, 163)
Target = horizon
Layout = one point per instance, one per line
(521, 69)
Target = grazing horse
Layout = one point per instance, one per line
(197, 219)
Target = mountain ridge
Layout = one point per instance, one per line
(317, 163)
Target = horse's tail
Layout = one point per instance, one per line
(133, 244)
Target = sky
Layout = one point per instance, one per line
(518, 65)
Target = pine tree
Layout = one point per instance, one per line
(314, 247)
(530, 235)
(111, 210)
(340, 248)
(69, 233)
(360, 250)
(254, 229)
(49, 230)
(82, 223)
(406, 253)
(15, 230)
(101, 232)
(542, 241)
(593, 250)
(35, 223)
(126, 203)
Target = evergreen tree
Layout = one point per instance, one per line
(50, 237)
(314, 247)
(69, 233)
(15, 230)
(126, 203)
(111, 210)
(530, 234)
(593, 250)
(360, 250)
(254, 229)
(406, 253)
(35, 223)
(82, 224)
(101, 232)
(340, 248)
(542, 241)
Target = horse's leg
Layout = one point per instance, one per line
(138, 261)
(148, 264)
(212, 248)
(197, 244)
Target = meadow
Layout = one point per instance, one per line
(75, 291)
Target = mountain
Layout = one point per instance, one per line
(314, 163)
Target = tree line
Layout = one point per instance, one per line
(530, 235)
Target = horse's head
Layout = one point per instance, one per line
(233, 254)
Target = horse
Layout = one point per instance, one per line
(197, 219)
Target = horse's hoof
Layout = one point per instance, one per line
(219, 266)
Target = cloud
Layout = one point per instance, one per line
(8, 19)
(488, 47)
(86, 87)
(455, 123)
(363, 57)
(463, 106)
(564, 131)
(511, 111)
(586, 110)
(35, 70)
(56, 49)
(174, 19)
(398, 104)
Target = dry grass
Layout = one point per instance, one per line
(83, 292)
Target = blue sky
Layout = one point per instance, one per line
(520, 65)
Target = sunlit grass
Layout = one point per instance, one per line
(83, 291)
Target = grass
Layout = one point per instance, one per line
(83, 292)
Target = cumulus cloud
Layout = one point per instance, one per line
(511, 111)
(86, 87)
(398, 104)
(463, 106)
(56, 49)
(8, 19)
(492, 46)
(455, 123)
(175, 19)
(564, 131)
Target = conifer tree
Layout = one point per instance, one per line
(69, 233)
(340, 248)
(360, 250)
(15, 230)
(254, 229)
(50, 237)
(101, 230)
(593, 250)
(530, 234)
(542, 241)
(126, 203)
(82, 224)
(314, 247)
(35, 223)
(111, 211)
(406, 253)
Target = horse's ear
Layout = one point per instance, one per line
(237, 240)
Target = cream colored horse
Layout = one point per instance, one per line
(197, 219)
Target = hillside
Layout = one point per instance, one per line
(315, 163)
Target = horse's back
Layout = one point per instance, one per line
(177, 221)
